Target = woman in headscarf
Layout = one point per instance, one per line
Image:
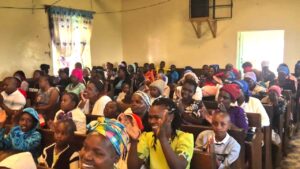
(76, 86)
(285, 80)
(248, 67)
(255, 88)
(140, 104)
(131, 69)
(279, 104)
(251, 104)
(105, 146)
(228, 95)
(267, 74)
(188, 75)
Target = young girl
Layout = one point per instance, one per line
(192, 111)
(125, 91)
(76, 86)
(123, 77)
(69, 110)
(24, 136)
(111, 110)
(165, 146)
(156, 89)
(166, 92)
(60, 154)
(191, 76)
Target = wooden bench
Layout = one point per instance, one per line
(238, 134)
(286, 133)
(90, 118)
(275, 150)
(203, 160)
(253, 147)
(267, 148)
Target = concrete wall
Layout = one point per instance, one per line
(164, 32)
(148, 35)
(25, 35)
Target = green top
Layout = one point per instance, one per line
(182, 145)
(80, 87)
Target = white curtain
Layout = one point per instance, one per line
(70, 37)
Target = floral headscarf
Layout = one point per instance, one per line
(114, 131)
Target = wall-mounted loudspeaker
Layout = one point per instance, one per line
(199, 8)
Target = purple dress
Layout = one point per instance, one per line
(238, 117)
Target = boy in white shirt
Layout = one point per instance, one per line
(218, 141)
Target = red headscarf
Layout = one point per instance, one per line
(276, 89)
(232, 89)
(78, 73)
(138, 121)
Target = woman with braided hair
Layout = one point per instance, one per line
(165, 146)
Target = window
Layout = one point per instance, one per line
(70, 32)
(257, 46)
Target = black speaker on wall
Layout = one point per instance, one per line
(199, 8)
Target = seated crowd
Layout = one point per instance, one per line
(137, 114)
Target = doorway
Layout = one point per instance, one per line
(257, 46)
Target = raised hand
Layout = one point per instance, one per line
(161, 131)
(210, 145)
(131, 126)
(83, 96)
(222, 107)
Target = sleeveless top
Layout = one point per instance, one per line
(43, 97)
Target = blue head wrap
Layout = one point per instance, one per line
(244, 86)
(284, 69)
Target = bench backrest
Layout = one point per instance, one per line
(90, 118)
(48, 139)
(254, 120)
(203, 160)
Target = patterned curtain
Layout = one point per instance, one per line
(70, 32)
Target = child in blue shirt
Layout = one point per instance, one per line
(24, 136)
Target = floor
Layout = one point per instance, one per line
(292, 161)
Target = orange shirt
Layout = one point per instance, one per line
(149, 76)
